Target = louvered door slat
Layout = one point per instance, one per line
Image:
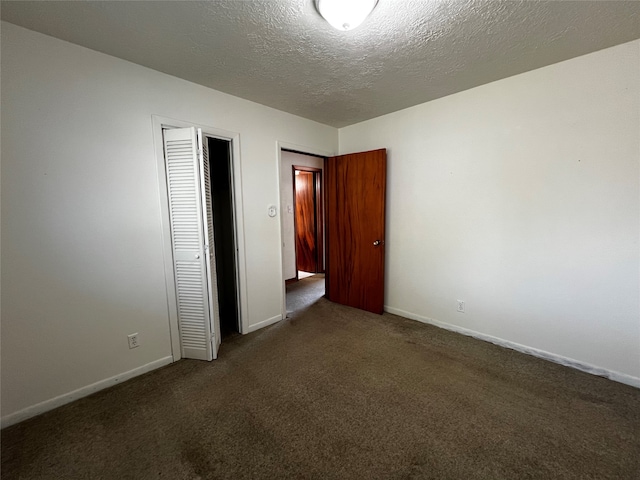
(210, 244)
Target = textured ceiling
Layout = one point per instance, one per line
(281, 53)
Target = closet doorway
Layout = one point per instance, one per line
(220, 167)
(202, 235)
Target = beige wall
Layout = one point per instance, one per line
(521, 197)
(82, 253)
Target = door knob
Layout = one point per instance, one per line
(377, 242)
(197, 256)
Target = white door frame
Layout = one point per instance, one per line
(159, 123)
(304, 150)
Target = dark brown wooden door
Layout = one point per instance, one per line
(355, 192)
(305, 222)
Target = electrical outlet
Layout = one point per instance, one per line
(133, 340)
(460, 306)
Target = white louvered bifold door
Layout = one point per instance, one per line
(188, 235)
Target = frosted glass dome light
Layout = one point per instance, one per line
(345, 14)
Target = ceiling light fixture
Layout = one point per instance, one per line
(345, 14)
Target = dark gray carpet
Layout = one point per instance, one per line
(304, 293)
(337, 393)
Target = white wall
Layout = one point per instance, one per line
(521, 197)
(289, 159)
(82, 258)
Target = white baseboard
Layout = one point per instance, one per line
(264, 323)
(50, 404)
(55, 402)
(569, 362)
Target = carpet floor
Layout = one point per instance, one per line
(337, 393)
(304, 293)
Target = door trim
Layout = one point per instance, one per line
(319, 223)
(158, 124)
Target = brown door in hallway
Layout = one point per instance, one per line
(308, 218)
(355, 220)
